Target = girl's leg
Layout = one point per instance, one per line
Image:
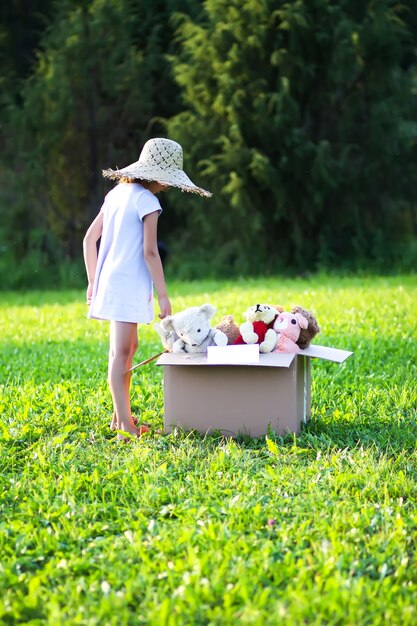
(114, 423)
(123, 345)
(129, 363)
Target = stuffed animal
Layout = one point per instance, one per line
(288, 327)
(167, 334)
(258, 327)
(190, 331)
(229, 328)
(306, 334)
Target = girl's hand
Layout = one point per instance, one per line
(165, 306)
(89, 293)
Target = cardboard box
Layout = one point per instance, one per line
(241, 399)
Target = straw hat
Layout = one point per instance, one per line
(161, 160)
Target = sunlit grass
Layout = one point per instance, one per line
(314, 529)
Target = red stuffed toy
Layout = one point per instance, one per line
(259, 327)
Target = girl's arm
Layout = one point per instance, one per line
(92, 235)
(154, 263)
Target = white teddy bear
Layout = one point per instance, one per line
(190, 331)
(258, 327)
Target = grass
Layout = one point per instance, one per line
(317, 528)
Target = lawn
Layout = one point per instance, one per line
(318, 528)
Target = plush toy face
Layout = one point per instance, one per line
(191, 325)
(261, 313)
(307, 334)
(290, 324)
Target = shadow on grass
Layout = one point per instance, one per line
(388, 439)
(389, 436)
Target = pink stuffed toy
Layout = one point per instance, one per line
(288, 327)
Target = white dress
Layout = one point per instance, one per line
(123, 289)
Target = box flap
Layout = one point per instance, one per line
(275, 359)
(329, 354)
(272, 359)
(171, 358)
(265, 360)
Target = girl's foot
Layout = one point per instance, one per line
(113, 423)
(141, 430)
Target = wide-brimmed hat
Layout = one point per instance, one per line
(161, 160)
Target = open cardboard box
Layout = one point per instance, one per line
(240, 398)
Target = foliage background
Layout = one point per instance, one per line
(301, 117)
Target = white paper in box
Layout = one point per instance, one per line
(233, 355)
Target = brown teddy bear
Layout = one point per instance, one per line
(306, 334)
(229, 328)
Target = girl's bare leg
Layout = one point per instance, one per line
(123, 345)
(114, 423)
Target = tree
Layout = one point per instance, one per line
(297, 116)
(99, 89)
(21, 27)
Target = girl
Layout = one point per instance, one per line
(121, 277)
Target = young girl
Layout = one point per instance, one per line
(121, 277)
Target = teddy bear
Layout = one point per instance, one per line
(190, 330)
(306, 334)
(288, 327)
(229, 328)
(258, 327)
(168, 335)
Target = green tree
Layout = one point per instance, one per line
(299, 116)
(101, 86)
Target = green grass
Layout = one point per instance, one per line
(186, 530)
